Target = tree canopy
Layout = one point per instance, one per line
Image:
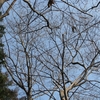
(53, 48)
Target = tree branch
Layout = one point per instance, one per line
(7, 11)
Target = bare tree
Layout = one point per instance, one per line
(71, 62)
(55, 50)
(20, 60)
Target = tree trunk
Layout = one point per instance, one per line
(62, 95)
(29, 97)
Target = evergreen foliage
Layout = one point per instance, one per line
(2, 55)
(5, 92)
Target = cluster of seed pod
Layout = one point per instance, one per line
(50, 3)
